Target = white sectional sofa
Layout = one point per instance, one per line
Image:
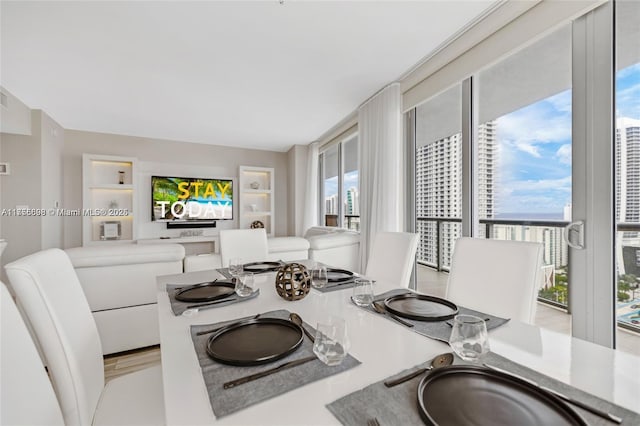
(119, 282)
(333, 246)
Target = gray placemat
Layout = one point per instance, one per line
(225, 273)
(227, 401)
(337, 286)
(399, 405)
(179, 307)
(438, 330)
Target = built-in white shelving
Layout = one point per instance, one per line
(108, 199)
(256, 186)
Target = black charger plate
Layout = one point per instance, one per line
(254, 342)
(259, 267)
(421, 307)
(335, 275)
(205, 292)
(464, 394)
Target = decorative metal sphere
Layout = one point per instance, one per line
(257, 224)
(293, 281)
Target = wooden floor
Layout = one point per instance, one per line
(130, 361)
(429, 281)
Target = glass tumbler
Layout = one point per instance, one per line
(319, 277)
(244, 284)
(469, 337)
(235, 266)
(363, 292)
(332, 343)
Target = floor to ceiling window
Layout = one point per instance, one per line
(340, 185)
(540, 155)
(524, 153)
(627, 168)
(438, 163)
(350, 184)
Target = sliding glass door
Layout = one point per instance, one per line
(627, 174)
(554, 158)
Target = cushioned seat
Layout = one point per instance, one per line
(392, 258)
(249, 245)
(50, 293)
(497, 277)
(119, 282)
(27, 396)
(288, 248)
(334, 247)
(202, 262)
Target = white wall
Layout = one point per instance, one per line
(163, 157)
(15, 117)
(52, 140)
(297, 159)
(35, 181)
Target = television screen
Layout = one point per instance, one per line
(184, 199)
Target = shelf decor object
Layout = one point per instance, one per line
(256, 192)
(108, 199)
(293, 281)
(256, 224)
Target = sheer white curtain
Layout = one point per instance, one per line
(310, 217)
(380, 130)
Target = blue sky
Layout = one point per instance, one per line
(534, 173)
(535, 149)
(331, 185)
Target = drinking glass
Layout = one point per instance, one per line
(332, 343)
(469, 337)
(319, 276)
(244, 284)
(235, 266)
(363, 292)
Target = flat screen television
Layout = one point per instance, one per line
(191, 200)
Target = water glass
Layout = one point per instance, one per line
(332, 343)
(363, 292)
(235, 266)
(319, 277)
(469, 337)
(244, 284)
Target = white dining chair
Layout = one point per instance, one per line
(48, 289)
(26, 396)
(250, 245)
(392, 258)
(496, 277)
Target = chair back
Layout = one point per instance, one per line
(392, 258)
(496, 277)
(27, 397)
(248, 244)
(48, 289)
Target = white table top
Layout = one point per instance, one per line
(383, 347)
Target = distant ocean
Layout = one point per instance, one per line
(531, 216)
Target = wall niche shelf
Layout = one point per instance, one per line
(256, 186)
(108, 199)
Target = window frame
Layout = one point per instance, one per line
(321, 178)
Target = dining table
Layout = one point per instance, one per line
(383, 347)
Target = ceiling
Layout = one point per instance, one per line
(259, 75)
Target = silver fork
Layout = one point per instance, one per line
(373, 422)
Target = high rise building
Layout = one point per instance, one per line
(439, 190)
(627, 170)
(627, 173)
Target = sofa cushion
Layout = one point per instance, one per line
(336, 239)
(322, 230)
(124, 254)
(285, 244)
(202, 262)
